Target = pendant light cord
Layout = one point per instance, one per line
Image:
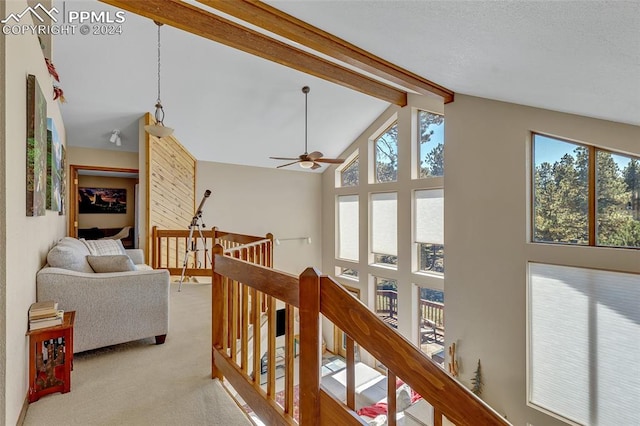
(305, 123)
(159, 24)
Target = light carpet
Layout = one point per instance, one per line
(140, 383)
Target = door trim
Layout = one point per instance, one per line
(72, 229)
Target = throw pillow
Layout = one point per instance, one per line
(111, 263)
(104, 247)
(65, 256)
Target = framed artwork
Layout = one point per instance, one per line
(63, 181)
(36, 148)
(54, 167)
(102, 200)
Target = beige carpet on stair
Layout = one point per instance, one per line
(139, 383)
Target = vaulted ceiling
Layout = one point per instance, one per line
(226, 105)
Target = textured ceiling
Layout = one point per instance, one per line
(580, 57)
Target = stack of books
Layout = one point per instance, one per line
(45, 314)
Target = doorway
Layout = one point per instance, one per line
(103, 202)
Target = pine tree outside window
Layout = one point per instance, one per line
(584, 195)
(431, 144)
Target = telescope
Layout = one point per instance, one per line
(191, 246)
(206, 195)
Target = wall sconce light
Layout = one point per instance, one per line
(115, 137)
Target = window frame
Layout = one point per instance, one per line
(592, 151)
(417, 172)
(373, 179)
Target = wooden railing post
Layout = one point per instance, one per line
(217, 311)
(310, 347)
(155, 260)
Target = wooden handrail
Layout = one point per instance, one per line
(446, 395)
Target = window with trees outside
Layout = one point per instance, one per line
(584, 195)
(431, 140)
(386, 155)
(384, 228)
(349, 174)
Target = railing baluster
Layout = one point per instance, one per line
(234, 321)
(244, 350)
(271, 351)
(391, 398)
(256, 338)
(351, 373)
(289, 359)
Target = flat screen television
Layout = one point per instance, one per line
(280, 322)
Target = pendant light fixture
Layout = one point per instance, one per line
(158, 129)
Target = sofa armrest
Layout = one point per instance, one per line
(136, 255)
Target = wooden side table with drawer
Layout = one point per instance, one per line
(51, 358)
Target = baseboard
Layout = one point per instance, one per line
(23, 411)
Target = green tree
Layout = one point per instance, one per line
(386, 147)
(433, 162)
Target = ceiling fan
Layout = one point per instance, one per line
(308, 160)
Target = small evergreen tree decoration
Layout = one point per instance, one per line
(476, 380)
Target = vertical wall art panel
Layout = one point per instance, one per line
(54, 167)
(36, 148)
(63, 181)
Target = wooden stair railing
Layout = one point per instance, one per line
(169, 246)
(239, 285)
(402, 359)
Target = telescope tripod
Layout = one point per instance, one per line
(192, 242)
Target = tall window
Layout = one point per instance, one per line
(349, 174)
(564, 182)
(386, 155)
(429, 229)
(431, 140)
(584, 341)
(348, 242)
(384, 227)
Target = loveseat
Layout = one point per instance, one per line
(111, 307)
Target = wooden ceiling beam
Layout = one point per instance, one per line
(278, 22)
(208, 25)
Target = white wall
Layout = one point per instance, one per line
(257, 200)
(102, 158)
(3, 227)
(26, 239)
(486, 234)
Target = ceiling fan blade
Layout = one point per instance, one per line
(283, 158)
(330, 160)
(315, 166)
(288, 164)
(314, 155)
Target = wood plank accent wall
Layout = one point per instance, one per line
(171, 186)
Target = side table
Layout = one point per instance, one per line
(51, 358)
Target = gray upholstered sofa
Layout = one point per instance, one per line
(111, 307)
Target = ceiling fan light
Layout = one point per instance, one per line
(306, 164)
